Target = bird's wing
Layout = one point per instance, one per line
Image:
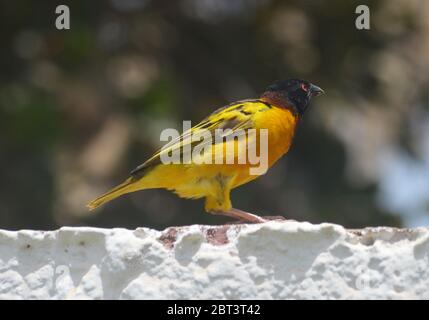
(236, 116)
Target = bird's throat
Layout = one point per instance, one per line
(279, 100)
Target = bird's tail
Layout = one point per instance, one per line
(127, 186)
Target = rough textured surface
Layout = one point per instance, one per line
(274, 260)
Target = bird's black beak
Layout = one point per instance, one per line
(315, 90)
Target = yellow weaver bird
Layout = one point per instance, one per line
(278, 110)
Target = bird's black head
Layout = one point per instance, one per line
(293, 92)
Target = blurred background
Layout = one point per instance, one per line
(81, 108)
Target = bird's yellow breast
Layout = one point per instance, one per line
(280, 124)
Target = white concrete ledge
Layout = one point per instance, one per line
(274, 260)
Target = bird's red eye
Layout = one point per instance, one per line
(304, 87)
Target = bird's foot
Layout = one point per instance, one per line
(281, 218)
(241, 215)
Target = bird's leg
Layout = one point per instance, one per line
(247, 216)
(217, 203)
(240, 215)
